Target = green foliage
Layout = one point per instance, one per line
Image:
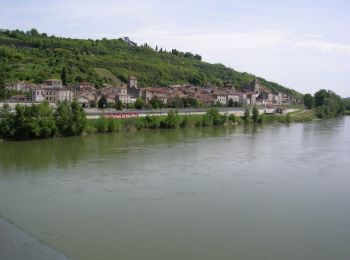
(172, 120)
(27, 122)
(328, 104)
(156, 103)
(119, 105)
(231, 103)
(90, 130)
(102, 125)
(212, 117)
(64, 76)
(255, 114)
(34, 57)
(102, 103)
(152, 122)
(309, 101)
(139, 103)
(247, 117)
(70, 118)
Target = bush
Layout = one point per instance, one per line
(102, 125)
(90, 130)
(172, 120)
(152, 122)
(247, 117)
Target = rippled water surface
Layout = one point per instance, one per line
(271, 192)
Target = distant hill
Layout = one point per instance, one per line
(34, 57)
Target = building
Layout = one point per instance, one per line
(219, 98)
(20, 99)
(53, 83)
(155, 93)
(52, 95)
(83, 87)
(234, 97)
(132, 88)
(20, 86)
(125, 99)
(86, 99)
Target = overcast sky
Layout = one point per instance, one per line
(302, 44)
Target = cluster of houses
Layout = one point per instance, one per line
(53, 91)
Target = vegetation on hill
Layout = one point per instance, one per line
(35, 57)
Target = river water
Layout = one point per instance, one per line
(267, 192)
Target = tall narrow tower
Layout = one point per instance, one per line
(132, 82)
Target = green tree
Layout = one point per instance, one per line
(255, 114)
(247, 117)
(78, 117)
(119, 105)
(156, 103)
(7, 123)
(63, 118)
(230, 102)
(172, 120)
(139, 103)
(309, 101)
(64, 76)
(102, 103)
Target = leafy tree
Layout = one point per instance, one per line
(119, 105)
(255, 114)
(64, 76)
(156, 103)
(230, 102)
(7, 123)
(28, 122)
(102, 103)
(309, 101)
(63, 118)
(172, 120)
(78, 117)
(212, 117)
(328, 104)
(139, 103)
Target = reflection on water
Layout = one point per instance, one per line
(254, 192)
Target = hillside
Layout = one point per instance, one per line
(34, 56)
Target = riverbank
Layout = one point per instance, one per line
(40, 121)
(174, 120)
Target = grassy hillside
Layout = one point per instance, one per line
(33, 56)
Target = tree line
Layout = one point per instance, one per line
(325, 103)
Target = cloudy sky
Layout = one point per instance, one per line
(303, 44)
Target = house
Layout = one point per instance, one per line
(234, 97)
(155, 93)
(220, 98)
(86, 98)
(83, 87)
(38, 94)
(125, 99)
(51, 95)
(21, 86)
(205, 99)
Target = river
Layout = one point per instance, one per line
(266, 192)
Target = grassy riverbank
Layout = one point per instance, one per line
(173, 120)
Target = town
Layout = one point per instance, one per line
(129, 95)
